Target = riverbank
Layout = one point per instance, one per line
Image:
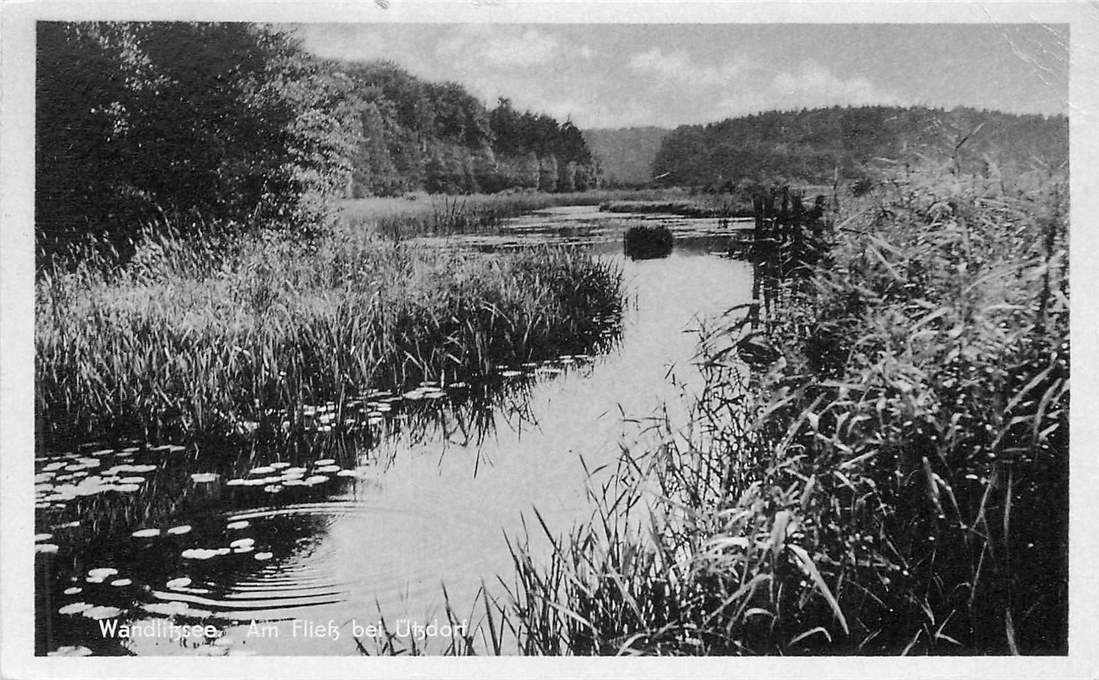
(895, 482)
(214, 336)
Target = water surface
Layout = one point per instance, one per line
(306, 543)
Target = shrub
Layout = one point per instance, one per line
(643, 243)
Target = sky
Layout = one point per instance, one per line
(618, 75)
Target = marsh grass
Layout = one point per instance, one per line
(198, 336)
(894, 482)
(441, 215)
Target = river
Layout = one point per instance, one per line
(367, 534)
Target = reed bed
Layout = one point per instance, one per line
(212, 336)
(894, 482)
(441, 215)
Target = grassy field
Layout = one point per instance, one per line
(896, 482)
(212, 336)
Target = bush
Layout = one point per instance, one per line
(643, 243)
(138, 123)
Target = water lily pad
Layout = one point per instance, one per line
(279, 465)
(176, 583)
(327, 468)
(263, 556)
(210, 650)
(102, 612)
(241, 541)
(74, 608)
(199, 553)
(204, 477)
(121, 583)
(316, 479)
(236, 482)
(180, 530)
(125, 488)
(244, 549)
(239, 524)
(262, 470)
(46, 548)
(74, 590)
(71, 650)
(102, 572)
(173, 608)
(127, 467)
(146, 533)
(38, 538)
(324, 461)
(273, 488)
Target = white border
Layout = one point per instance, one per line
(17, 349)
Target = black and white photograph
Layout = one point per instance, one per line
(472, 329)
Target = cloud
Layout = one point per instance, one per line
(475, 45)
(809, 85)
(679, 68)
(814, 84)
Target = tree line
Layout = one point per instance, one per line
(436, 136)
(817, 146)
(235, 124)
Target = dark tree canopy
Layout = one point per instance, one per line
(438, 137)
(235, 125)
(811, 146)
(224, 122)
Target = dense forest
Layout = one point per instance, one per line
(143, 124)
(626, 155)
(436, 136)
(811, 146)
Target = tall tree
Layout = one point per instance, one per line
(225, 122)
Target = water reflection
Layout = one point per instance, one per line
(352, 524)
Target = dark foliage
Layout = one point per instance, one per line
(437, 137)
(647, 243)
(818, 146)
(180, 122)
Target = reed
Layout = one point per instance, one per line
(442, 215)
(894, 482)
(206, 336)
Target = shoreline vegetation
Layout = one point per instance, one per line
(895, 481)
(206, 336)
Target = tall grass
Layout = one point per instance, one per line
(895, 482)
(200, 336)
(448, 215)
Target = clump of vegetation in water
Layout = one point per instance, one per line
(895, 482)
(645, 243)
(198, 335)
